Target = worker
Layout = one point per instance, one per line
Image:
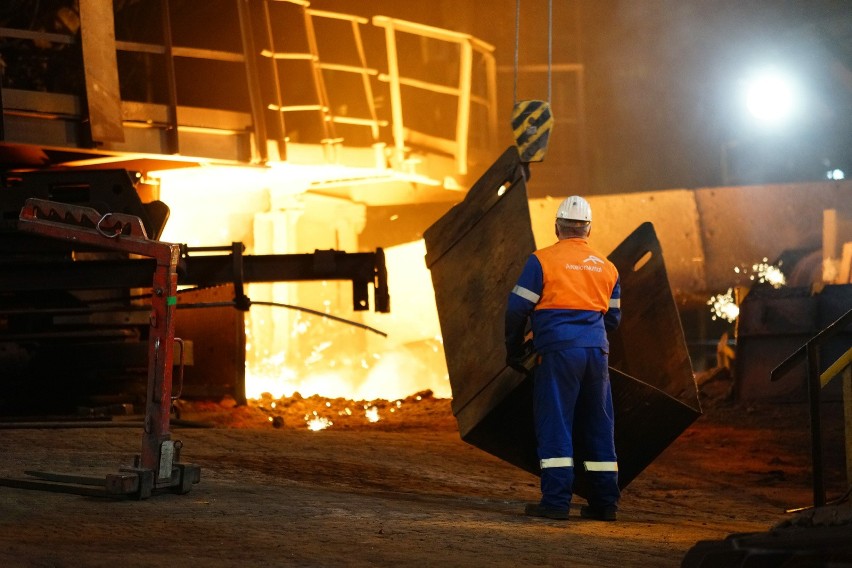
(570, 295)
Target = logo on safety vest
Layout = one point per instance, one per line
(593, 259)
(586, 267)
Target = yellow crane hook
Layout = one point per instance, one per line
(532, 120)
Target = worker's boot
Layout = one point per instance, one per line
(599, 513)
(539, 510)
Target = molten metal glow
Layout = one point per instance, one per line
(332, 360)
(288, 352)
(285, 382)
(394, 375)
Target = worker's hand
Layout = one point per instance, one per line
(520, 357)
(517, 364)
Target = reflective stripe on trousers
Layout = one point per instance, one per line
(571, 394)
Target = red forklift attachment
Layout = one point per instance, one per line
(157, 466)
(475, 254)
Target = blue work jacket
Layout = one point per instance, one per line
(572, 296)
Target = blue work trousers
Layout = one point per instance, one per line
(573, 402)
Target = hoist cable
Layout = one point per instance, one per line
(549, 43)
(517, 42)
(549, 47)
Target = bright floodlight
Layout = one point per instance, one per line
(770, 97)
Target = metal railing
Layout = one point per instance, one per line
(810, 352)
(471, 95)
(318, 69)
(468, 45)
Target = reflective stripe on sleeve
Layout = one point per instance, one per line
(601, 466)
(526, 294)
(615, 303)
(557, 462)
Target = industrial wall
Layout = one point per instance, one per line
(706, 233)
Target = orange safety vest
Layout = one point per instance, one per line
(576, 277)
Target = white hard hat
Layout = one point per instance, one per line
(575, 208)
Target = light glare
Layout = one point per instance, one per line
(770, 97)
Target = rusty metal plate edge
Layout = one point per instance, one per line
(470, 410)
(504, 426)
(647, 421)
(472, 280)
(649, 344)
(449, 229)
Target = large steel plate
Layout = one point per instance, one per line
(475, 253)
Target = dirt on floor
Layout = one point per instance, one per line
(388, 483)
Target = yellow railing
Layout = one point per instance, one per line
(469, 45)
(388, 102)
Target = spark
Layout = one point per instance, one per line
(723, 306)
(316, 354)
(764, 273)
(372, 414)
(300, 328)
(769, 274)
(316, 422)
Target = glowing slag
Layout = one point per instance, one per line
(372, 414)
(316, 422)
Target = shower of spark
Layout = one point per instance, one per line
(764, 273)
(723, 306)
(769, 274)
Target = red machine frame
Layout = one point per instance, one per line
(157, 466)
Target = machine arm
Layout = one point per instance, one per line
(362, 269)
